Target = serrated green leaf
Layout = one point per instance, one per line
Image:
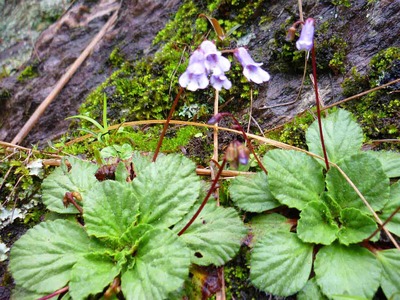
(390, 207)
(367, 175)
(342, 135)
(390, 162)
(347, 270)
(140, 161)
(215, 236)
(311, 291)
(263, 224)
(356, 226)
(161, 265)
(41, 260)
(134, 234)
(79, 179)
(280, 263)
(91, 274)
(110, 209)
(251, 193)
(334, 208)
(390, 262)
(316, 224)
(166, 190)
(294, 178)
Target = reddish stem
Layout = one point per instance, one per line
(160, 140)
(210, 191)
(58, 292)
(380, 227)
(314, 67)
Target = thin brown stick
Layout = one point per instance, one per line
(383, 224)
(62, 82)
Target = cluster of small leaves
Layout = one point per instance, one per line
(333, 220)
(129, 232)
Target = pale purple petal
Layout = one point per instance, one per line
(219, 81)
(306, 40)
(256, 74)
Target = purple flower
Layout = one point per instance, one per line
(205, 61)
(219, 81)
(214, 61)
(251, 69)
(195, 76)
(306, 40)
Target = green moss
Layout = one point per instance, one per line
(28, 73)
(293, 133)
(377, 112)
(145, 89)
(331, 54)
(116, 58)
(345, 3)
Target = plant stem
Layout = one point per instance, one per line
(380, 227)
(314, 67)
(58, 292)
(248, 142)
(210, 191)
(160, 140)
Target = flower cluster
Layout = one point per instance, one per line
(208, 66)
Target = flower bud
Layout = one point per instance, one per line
(215, 119)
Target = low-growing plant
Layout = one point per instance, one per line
(129, 239)
(318, 236)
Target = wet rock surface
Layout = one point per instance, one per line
(366, 27)
(59, 46)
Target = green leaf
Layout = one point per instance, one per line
(390, 207)
(251, 193)
(19, 293)
(342, 135)
(347, 270)
(166, 190)
(334, 208)
(121, 151)
(294, 178)
(91, 274)
(280, 263)
(356, 226)
(316, 224)
(311, 291)
(110, 209)
(262, 224)
(367, 175)
(41, 260)
(390, 162)
(134, 234)
(79, 179)
(215, 236)
(390, 261)
(121, 173)
(161, 265)
(140, 161)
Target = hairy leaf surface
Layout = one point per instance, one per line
(294, 178)
(161, 266)
(316, 224)
(390, 207)
(342, 135)
(215, 236)
(251, 193)
(91, 274)
(110, 209)
(281, 263)
(356, 226)
(366, 173)
(390, 262)
(79, 179)
(263, 224)
(166, 190)
(41, 260)
(347, 270)
(390, 162)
